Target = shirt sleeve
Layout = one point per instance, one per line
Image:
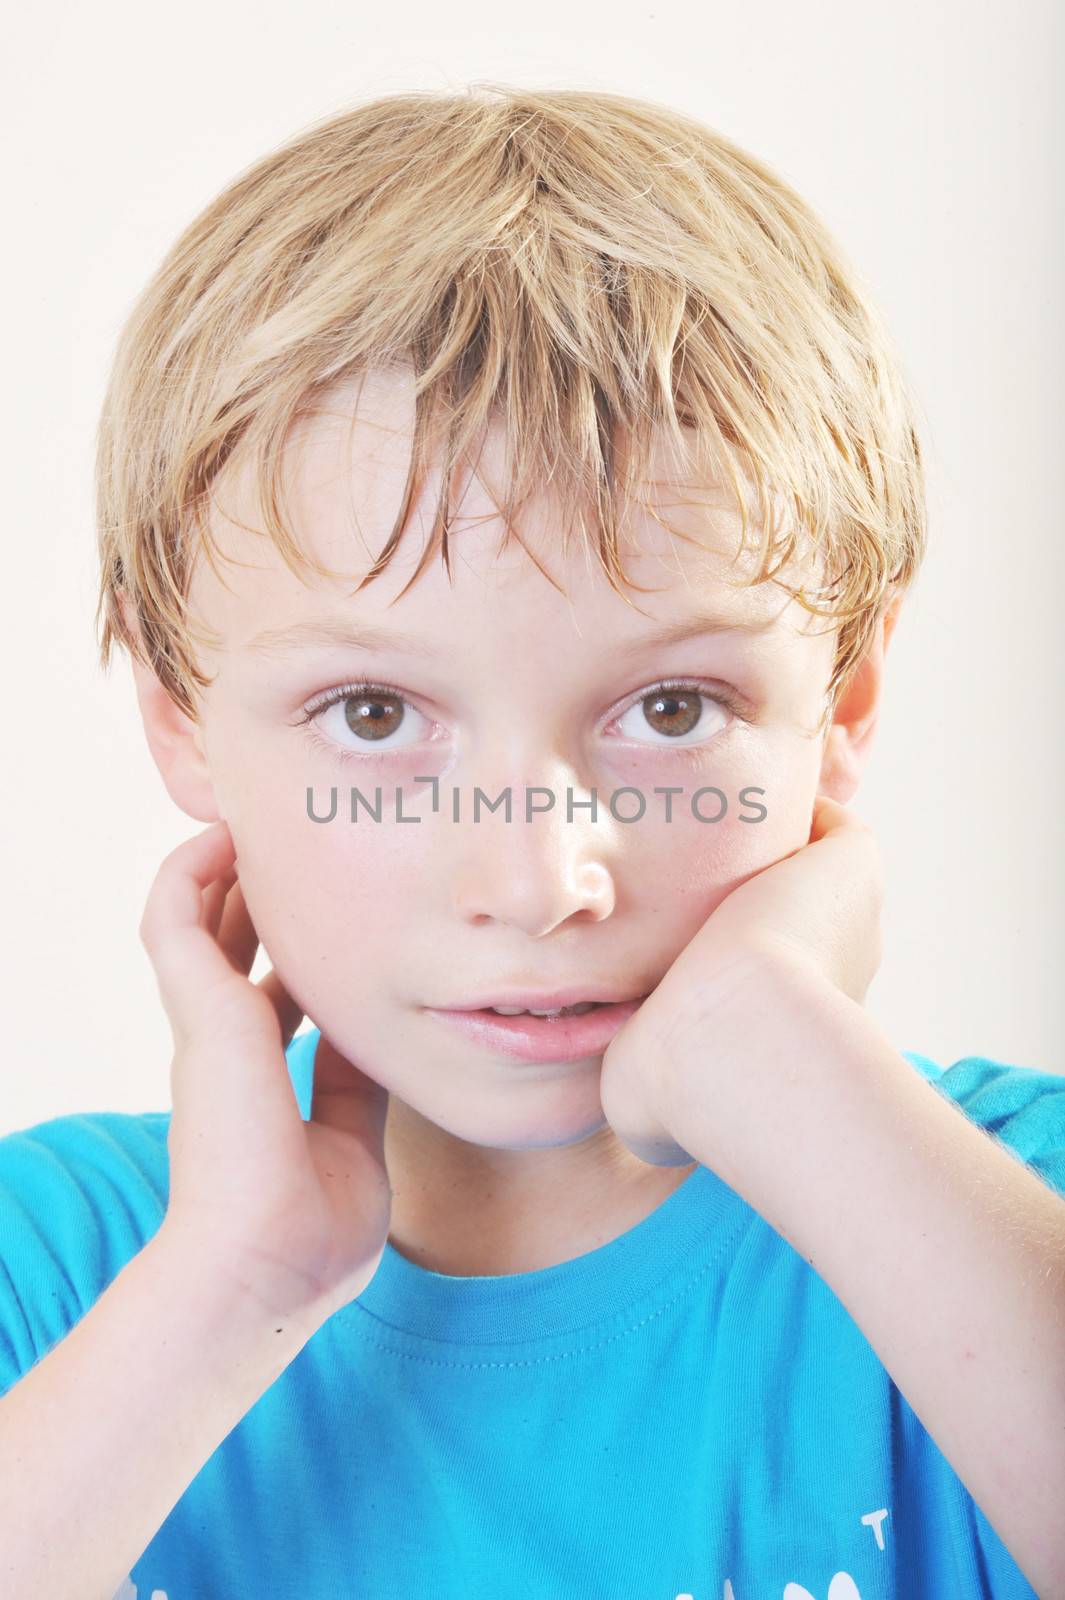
(80, 1195)
(1020, 1107)
(1023, 1109)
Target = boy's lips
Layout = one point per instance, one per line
(549, 1000)
(568, 1038)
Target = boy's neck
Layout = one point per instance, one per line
(466, 1210)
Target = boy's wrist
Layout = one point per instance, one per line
(749, 1046)
(222, 1305)
(752, 998)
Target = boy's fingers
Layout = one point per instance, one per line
(188, 963)
(236, 931)
(343, 1097)
(214, 900)
(828, 815)
(238, 937)
(289, 1013)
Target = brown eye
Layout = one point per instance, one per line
(373, 716)
(673, 712)
(374, 713)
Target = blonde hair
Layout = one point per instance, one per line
(577, 264)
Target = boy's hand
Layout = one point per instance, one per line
(814, 915)
(296, 1213)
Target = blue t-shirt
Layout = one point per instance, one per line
(685, 1413)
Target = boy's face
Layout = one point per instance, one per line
(511, 684)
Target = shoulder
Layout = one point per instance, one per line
(1022, 1106)
(66, 1163)
(80, 1195)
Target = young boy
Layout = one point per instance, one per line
(704, 1289)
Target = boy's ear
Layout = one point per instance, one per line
(849, 737)
(174, 739)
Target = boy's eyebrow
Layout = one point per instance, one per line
(336, 630)
(341, 630)
(692, 628)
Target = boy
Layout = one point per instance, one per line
(701, 1289)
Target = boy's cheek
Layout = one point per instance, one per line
(708, 849)
(314, 889)
(315, 892)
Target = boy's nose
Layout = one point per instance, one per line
(532, 875)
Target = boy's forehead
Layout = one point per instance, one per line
(343, 483)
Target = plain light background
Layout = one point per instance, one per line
(928, 136)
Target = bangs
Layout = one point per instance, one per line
(602, 277)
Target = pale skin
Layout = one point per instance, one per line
(492, 1171)
(753, 1054)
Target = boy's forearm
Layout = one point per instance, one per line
(946, 1250)
(101, 1438)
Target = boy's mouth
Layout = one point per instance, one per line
(577, 1031)
(570, 1002)
(531, 1011)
